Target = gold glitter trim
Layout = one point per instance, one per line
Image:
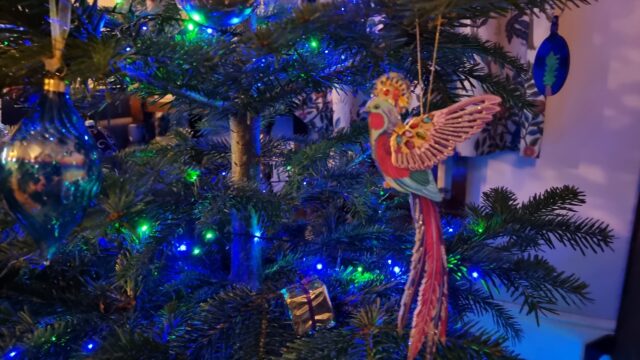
(54, 85)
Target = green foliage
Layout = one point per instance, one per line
(134, 292)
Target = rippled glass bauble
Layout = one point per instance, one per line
(217, 13)
(50, 170)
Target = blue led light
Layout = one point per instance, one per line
(209, 31)
(89, 346)
(235, 20)
(396, 269)
(127, 49)
(475, 275)
(182, 247)
(389, 261)
(256, 235)
(319, 266)
(13, 353)
(144, 27)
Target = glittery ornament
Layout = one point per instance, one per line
(50, 168)
(217, 13)
(309, 305)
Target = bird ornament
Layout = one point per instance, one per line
(404, 153)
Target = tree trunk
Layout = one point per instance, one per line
(246, 257)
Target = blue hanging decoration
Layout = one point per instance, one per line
(551, 66)
(50, 169)
(217, 13)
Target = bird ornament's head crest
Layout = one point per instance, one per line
(395, 89)
(391, 95)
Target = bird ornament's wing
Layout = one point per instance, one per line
(424, 141)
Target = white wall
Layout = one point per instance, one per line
(592, 135)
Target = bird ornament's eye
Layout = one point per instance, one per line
(376, 107)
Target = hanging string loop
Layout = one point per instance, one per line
(60, 19)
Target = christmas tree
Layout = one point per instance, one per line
(193, 250)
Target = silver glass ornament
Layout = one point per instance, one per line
(50, 168)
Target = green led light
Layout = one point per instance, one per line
(54, 338)
(479, 227)
(360, 276)
(196, 251)
(210, 235)
(190, 26)
(144, 228)
(196, 17)
(314, 43)
(192, 175)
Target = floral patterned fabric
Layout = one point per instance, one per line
(510, 131)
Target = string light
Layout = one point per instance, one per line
(210, 235)
(182, 247)
(144, 228)
(192, 175)
(256, 235)
(396, 269)
(89, 346)
(196, 251)
(196, 17)
(389, 261)
(314, 44)
(474, 274)
(319, 266)
(209, 31)
(479, 226)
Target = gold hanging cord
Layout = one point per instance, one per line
(441, 181)
(60, 18)
(433, 63)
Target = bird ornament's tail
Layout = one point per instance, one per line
(429, 269)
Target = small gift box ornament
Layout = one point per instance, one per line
(309, 305)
